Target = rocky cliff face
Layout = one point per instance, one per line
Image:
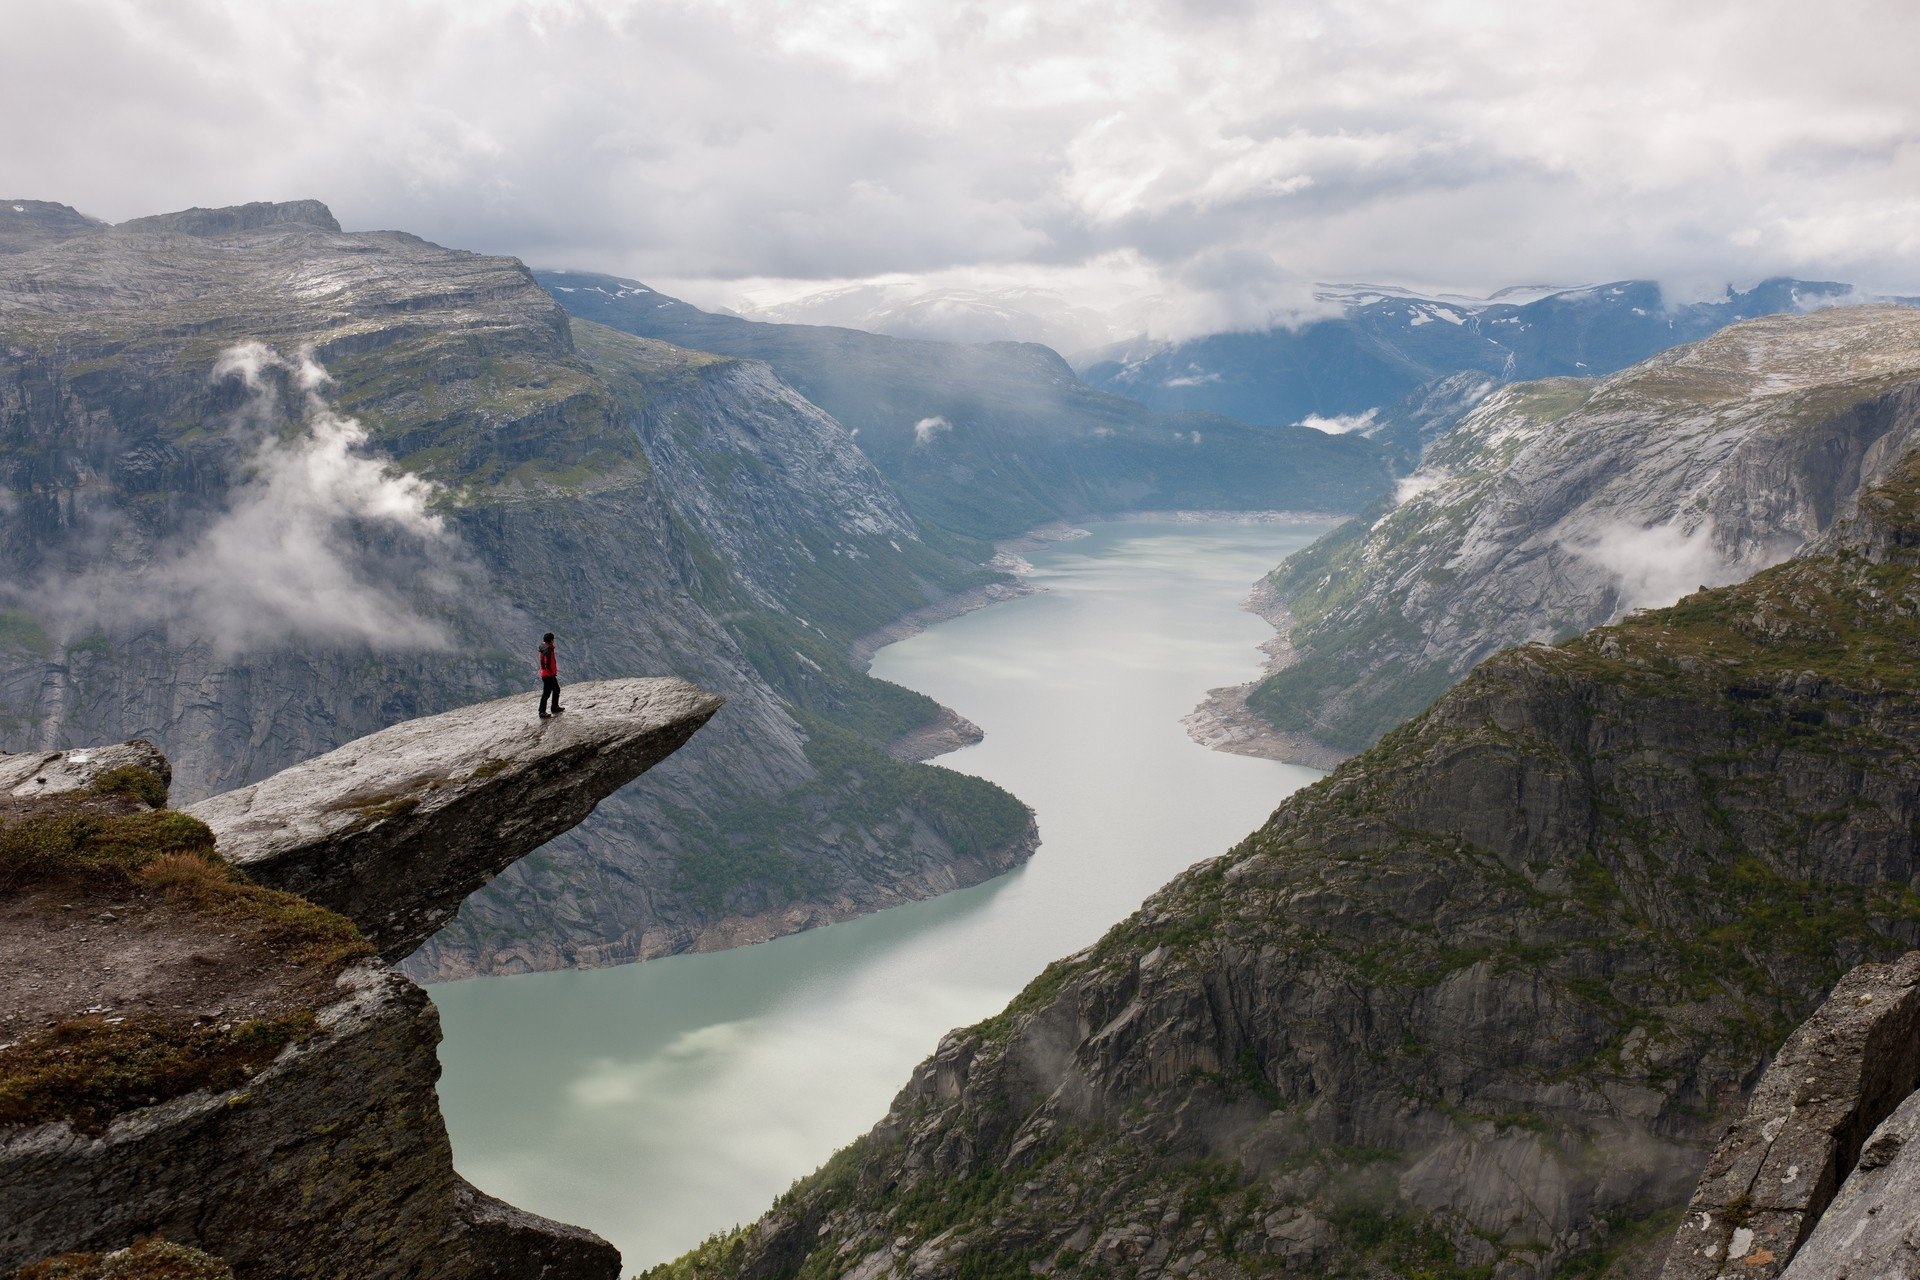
(1473, 1005)
(197, 1056)
(1558, 506)
(205, 546)
(1821, 1150)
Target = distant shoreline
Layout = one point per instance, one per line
(1224, 722)
(1221, 722)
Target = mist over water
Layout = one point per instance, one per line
(658, 1103)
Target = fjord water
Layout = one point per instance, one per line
(660, 1102)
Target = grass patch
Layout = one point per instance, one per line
(381, 808)
(88, 1070)
(22, 633)
(147, 1260)
(134, 782)
(173, 853)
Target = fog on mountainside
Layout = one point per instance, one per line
(416, 467)
(1025, 442)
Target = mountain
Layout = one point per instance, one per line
(1381, 344)
(1558, 505)
(902, 309)
(265, 486)
(988, 441)
(1473, 1005)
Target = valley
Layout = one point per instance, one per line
(1475, 1002)
(661, 1102)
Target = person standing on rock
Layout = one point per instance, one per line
(549, 676)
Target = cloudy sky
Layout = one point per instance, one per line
(1216, 153)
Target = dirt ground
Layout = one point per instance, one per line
(76, 946)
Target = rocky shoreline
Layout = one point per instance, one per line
(1009, 557)
(723, 933)
(1223, 722)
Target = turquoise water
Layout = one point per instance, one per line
(660, 1102)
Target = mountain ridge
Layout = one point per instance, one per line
(1383, 346)
(1555, 506)
(989, 441)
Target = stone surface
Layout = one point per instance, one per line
(1774, 1173)
(27, 775)
(500, 1242)
(1871, 1230)
(395, 829)
(332, 1162)
(332, 1159)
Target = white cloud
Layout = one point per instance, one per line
(1212, 156)
(925, 430)
(1339, 425)
(1407, 488)
(1656, 566)
(313, 542)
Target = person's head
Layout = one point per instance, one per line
(547, 638)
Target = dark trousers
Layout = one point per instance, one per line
(549, 688)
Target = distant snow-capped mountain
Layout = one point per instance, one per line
(1385, 342)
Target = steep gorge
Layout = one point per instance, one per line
(1474, 1004)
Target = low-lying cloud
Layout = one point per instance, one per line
(927, 430)
(1340, 425)
(313, 546)
(1657, 565)
(1407, 488)
(286, 560)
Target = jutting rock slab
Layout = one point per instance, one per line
(1845, 1070)
(395, 829)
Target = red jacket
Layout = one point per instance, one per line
(549, 663)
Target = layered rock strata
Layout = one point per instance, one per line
(333, 1161)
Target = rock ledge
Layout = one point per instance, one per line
(395, 829)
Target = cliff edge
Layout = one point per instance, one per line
(192, 1053)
